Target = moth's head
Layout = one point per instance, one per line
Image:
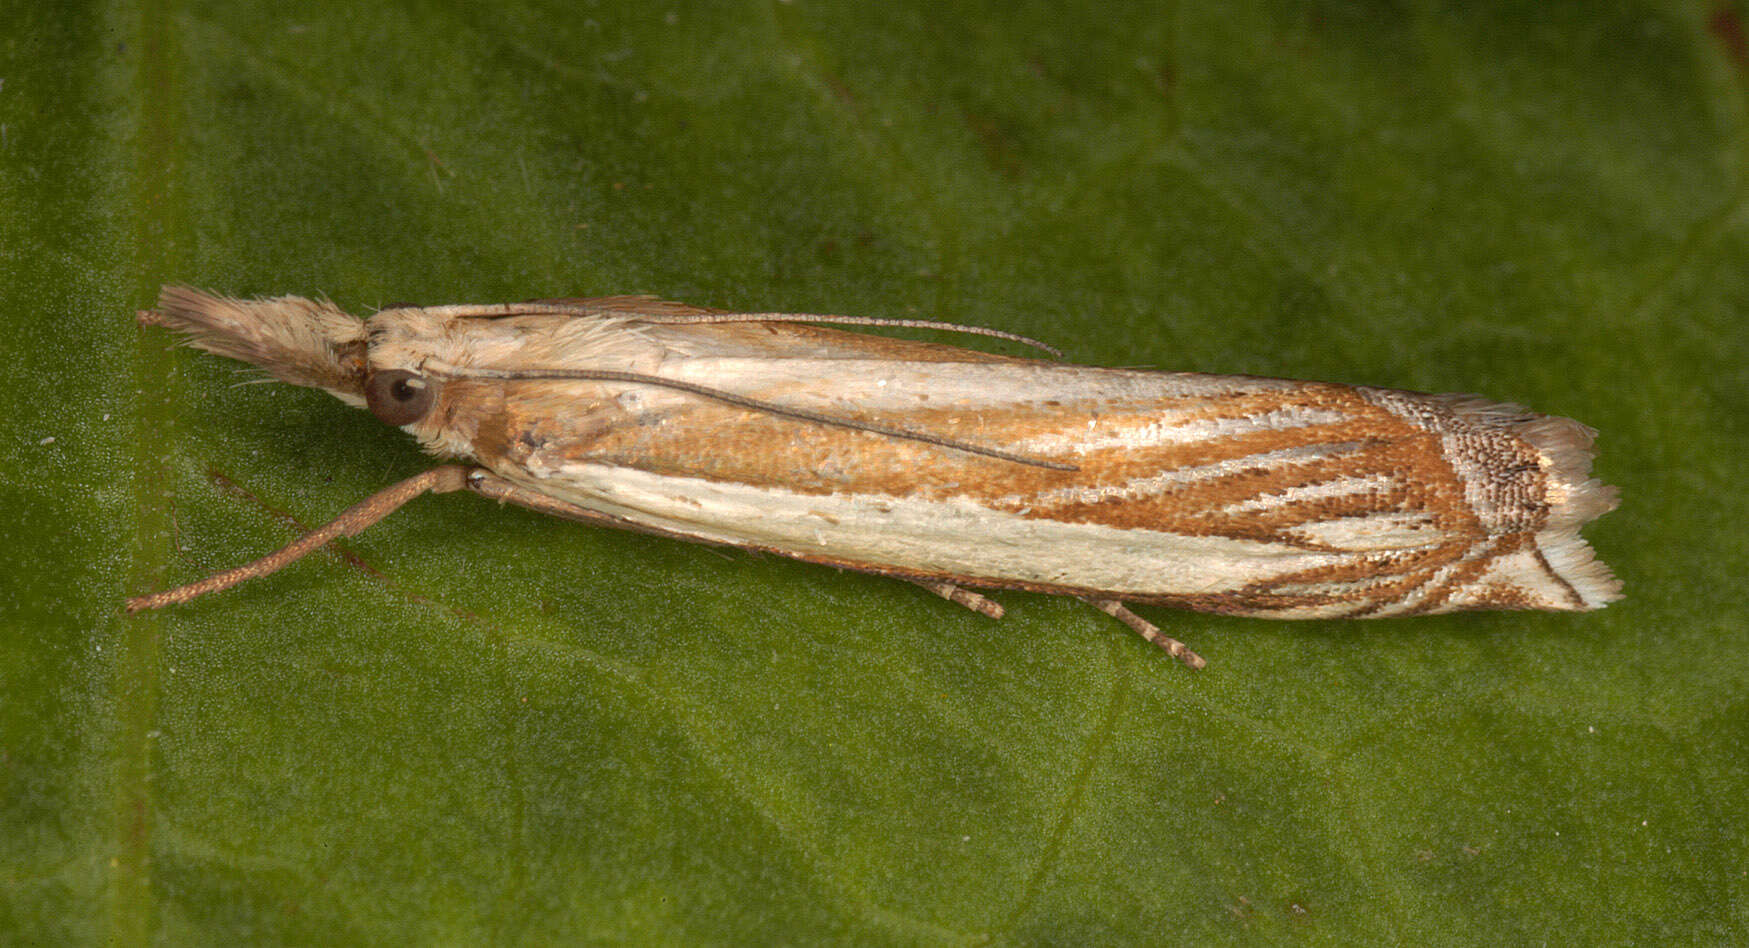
(297, 340)
(312, 343)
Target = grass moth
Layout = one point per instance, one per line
(948, 467)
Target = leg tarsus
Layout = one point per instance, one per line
(353, 520)
(1147, 630)
(982, 605)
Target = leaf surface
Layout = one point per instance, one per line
(477, 724)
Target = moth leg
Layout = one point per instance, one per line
(1147, 630)
(355, 519)
(982, 605)
(489, 485)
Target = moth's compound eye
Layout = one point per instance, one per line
(399, 398)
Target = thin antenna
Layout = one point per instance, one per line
(857, 321)
(498, 310)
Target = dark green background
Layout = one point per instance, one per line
(479, 724)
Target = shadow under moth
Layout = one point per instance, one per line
(948, 467)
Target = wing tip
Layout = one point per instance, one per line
(1575, 499)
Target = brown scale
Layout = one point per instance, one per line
(821, 459)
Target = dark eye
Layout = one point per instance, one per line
(399, 398)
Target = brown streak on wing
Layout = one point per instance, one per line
(1121, 443)
(735, 444)
(1413, 566)
(1468, 572)
(1566, 587)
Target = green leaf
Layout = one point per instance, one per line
(476, 724)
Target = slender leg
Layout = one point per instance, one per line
(489, 485)
(1147, 630)
(443, 480)
(353, 520)
(982, 605)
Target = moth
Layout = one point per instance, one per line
(951, 468)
